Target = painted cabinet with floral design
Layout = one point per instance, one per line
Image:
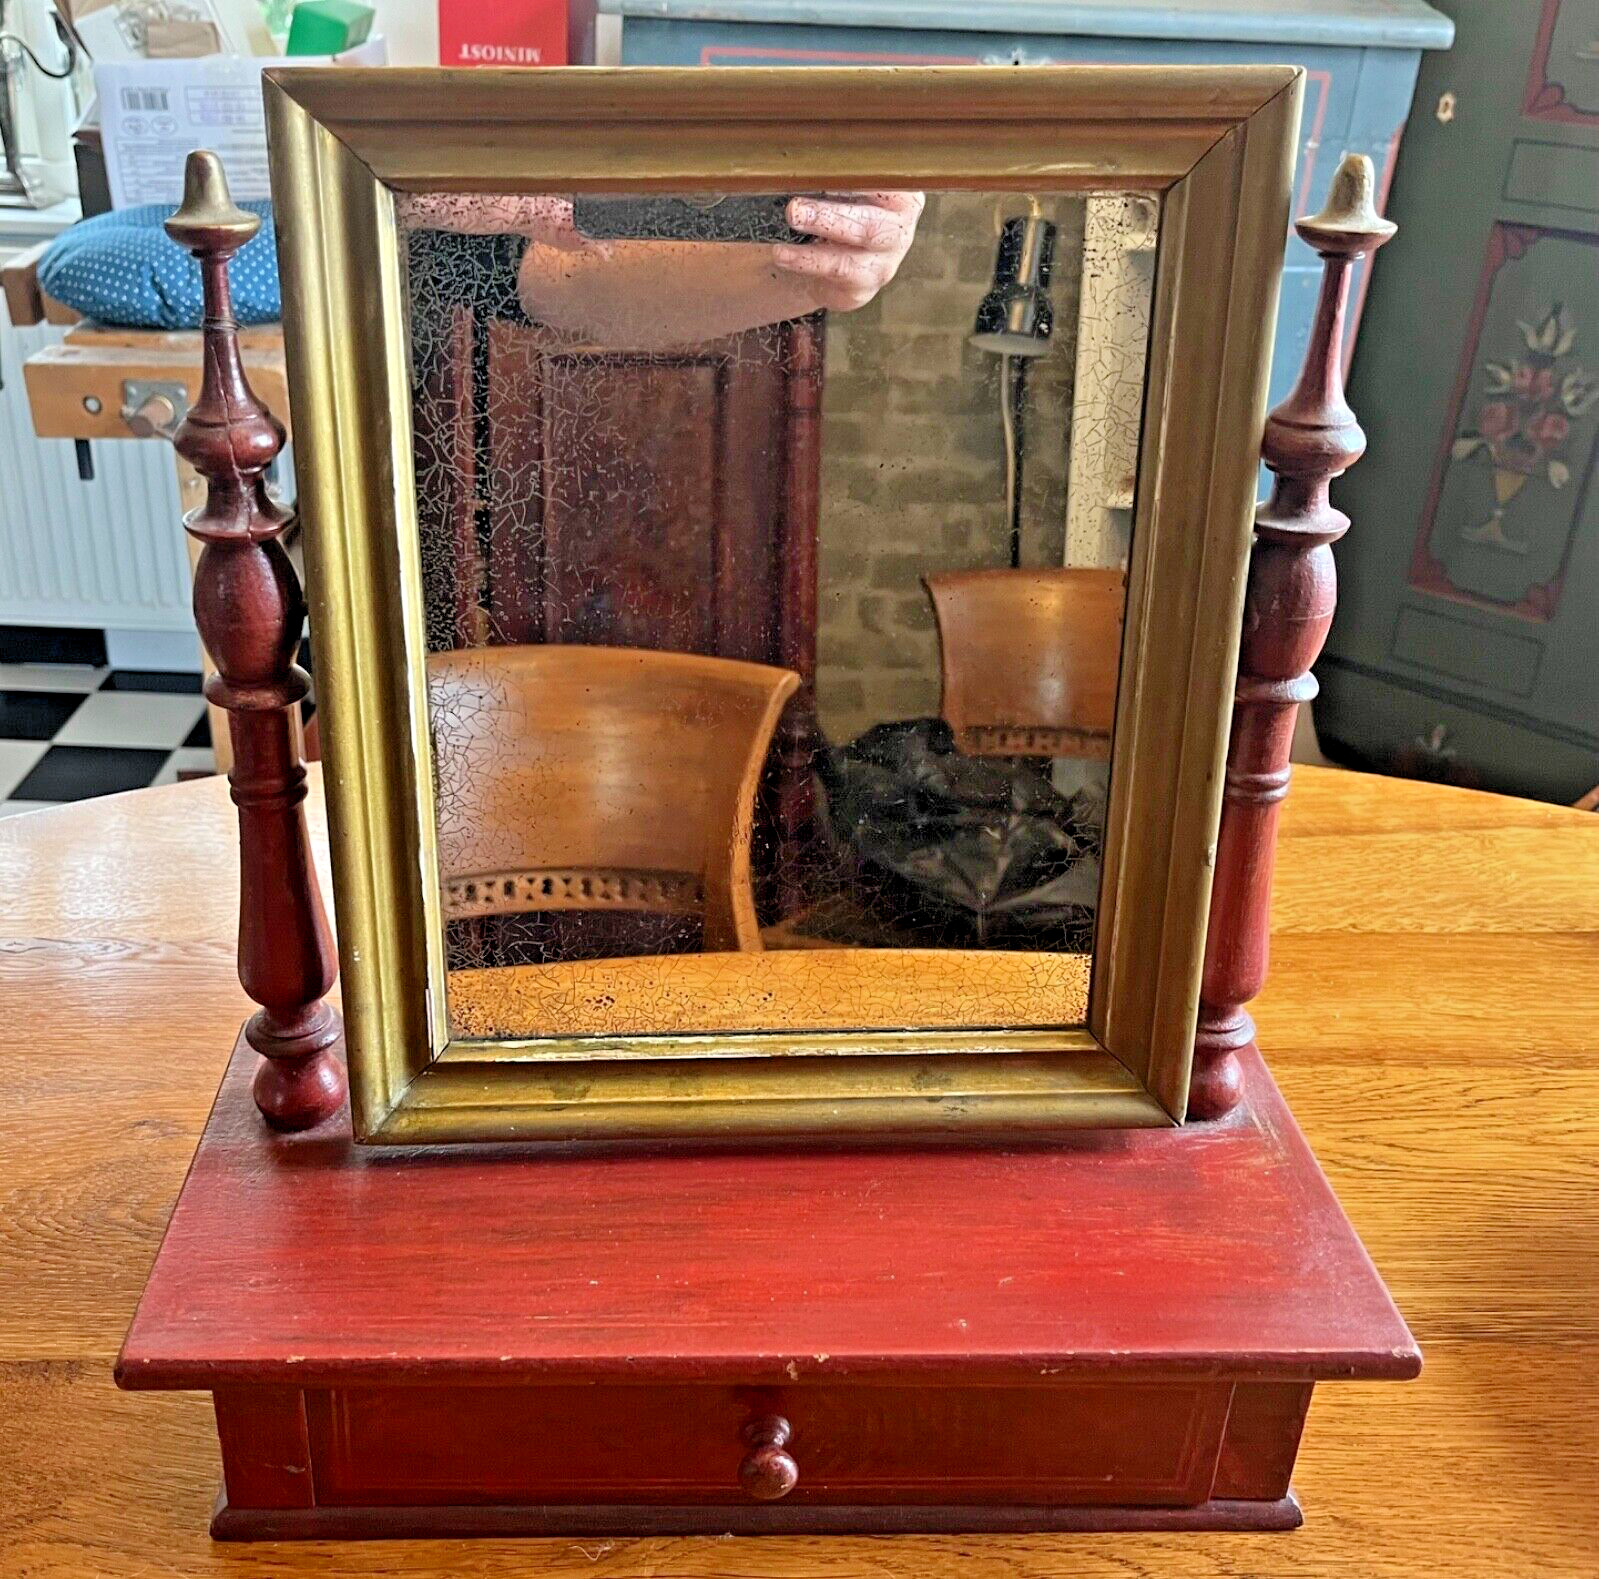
(1467, 640)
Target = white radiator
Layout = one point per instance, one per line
(108, 553)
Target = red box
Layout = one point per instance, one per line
(503, 32)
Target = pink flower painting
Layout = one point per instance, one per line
(1525, 421)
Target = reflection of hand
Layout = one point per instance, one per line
(862, 237)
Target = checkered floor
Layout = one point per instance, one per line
(68, 732)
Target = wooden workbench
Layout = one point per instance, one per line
(1432, 1017)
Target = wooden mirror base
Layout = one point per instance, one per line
(1118, 1331)
(461, 1521)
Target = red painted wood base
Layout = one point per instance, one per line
(1121, 1331)
(367, 1524)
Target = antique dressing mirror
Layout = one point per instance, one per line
(777, 545)
(776, 584)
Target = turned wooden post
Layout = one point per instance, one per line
(249, 609)
(1310, 439)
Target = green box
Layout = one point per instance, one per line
(325, 27)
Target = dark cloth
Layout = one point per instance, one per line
(964, 848)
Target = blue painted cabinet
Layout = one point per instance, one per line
(1360, 57)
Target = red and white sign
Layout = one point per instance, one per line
(502, 32)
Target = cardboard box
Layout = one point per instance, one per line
(503, 32)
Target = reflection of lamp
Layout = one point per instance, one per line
(1016, 317)
(1014, 321)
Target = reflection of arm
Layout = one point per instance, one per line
(654, 295)
(649, 295)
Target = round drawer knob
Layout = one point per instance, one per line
(768, 1472)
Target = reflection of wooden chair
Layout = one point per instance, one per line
(601, 779)
(1030, 659)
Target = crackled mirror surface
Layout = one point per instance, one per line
(773, 557)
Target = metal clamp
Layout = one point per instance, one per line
(152, 408)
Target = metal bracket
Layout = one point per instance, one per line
(153, 407)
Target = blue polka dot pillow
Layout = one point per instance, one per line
(122, 268)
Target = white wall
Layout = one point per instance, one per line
(412, 29)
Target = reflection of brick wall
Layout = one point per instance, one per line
(913, 473)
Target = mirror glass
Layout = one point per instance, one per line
(773, 554)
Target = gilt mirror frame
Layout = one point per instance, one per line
(1217, 145)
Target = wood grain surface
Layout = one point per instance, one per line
(803, 989)
(1430, 1016)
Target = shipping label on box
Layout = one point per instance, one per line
(502, 32)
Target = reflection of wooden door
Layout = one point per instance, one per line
(640, 439)
(664, 501)
(1465, 645)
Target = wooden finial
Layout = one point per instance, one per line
(250, 611)
(1311, 438)
(1348, 223)
(208, 218)
(226, 422)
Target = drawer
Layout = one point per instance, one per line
(1052, 1444)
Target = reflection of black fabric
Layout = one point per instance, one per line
(964, 848)
(449, 271)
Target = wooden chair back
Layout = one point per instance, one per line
(1030, 659)
(601, 778)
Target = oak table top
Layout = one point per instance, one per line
(1431, 1018)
